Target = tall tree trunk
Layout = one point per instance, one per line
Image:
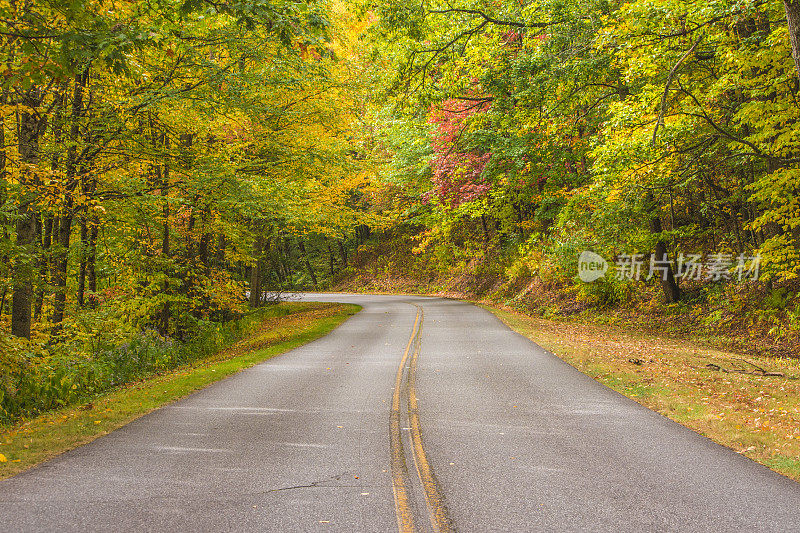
(91, 260)
(165, 241)
(51, 221)
(3, 301)
(255, 272)
(40, 259)
(342, 252)
(202, 248)
(793, 19)
(3, 193)
(61, 256)
(286, 257)
(672, 292)
(311, 272)
(23, 275)
(165, 213)
(185, 144)
(219, 252)
(44, 264)
(190, 234)
(204, 243)
(330, 259)
(82, 267)
(30, 126)
(275, 261)
(669, 284)
(89, 187)
(61, 264)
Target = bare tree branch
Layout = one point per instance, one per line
(669, 82)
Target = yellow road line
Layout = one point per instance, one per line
(433, 496)
(405, 516)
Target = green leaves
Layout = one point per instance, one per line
(595, 107)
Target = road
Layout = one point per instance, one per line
(418, 414)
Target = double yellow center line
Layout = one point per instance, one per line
(401, 485)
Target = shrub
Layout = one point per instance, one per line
(85, 364)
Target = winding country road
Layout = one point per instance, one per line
(417, 414)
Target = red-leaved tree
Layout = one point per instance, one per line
(457, 173)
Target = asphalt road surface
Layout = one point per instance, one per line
(417, 414)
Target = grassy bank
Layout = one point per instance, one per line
(285, 327)
(730, 399)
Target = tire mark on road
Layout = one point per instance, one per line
(434, 499)
(403, 509)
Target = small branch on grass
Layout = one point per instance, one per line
(752, 364)
(758, 372)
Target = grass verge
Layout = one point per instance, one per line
(30, 442)
(756, 415)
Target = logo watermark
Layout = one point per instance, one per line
(591, 266)
(713, 267)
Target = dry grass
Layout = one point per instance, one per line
(755, 415)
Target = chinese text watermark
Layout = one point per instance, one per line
(714, 267)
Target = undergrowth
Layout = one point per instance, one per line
(38, 378)
(752, 317)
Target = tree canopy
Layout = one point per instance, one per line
(165, 162)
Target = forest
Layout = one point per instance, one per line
(169, 166)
